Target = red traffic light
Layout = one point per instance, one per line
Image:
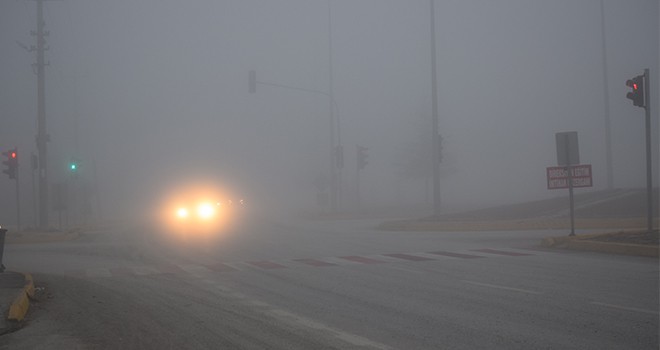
(637, 93)
(11, 163)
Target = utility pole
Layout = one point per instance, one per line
(335, 184)
(641, 97)
(33, 167)
(606, 101)
(436, 135)
(649, 168)
(42, 136)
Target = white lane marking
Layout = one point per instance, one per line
(501, 287)
(239, 266)
(144, 270)
(193, 269)
(384, 258)
(341, 262)
(291, 318)
(626, 308)
(101, 272)
(392, 267)
(432, 256)
(347, 337)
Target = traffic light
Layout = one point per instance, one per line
(361, 157)
(11, 162)
(637, 93)
(74, 165)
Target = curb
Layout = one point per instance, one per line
(509, 225)
(21, 303)
(583, 243)
(41, 237)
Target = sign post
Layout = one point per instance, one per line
(568, 159)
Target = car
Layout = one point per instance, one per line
(198, 210)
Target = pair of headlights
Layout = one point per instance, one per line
(203, 211)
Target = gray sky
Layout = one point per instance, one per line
(159, 89)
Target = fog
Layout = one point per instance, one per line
(151, 95)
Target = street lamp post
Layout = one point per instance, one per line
(436, 136)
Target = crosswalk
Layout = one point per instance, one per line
(322, 262)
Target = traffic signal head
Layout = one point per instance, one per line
(637, 92)
(361, 157)
(74, 166)
(11, 163)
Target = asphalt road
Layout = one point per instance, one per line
(334, 284)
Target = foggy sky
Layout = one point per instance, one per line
(159, 91)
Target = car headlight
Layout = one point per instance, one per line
(205, 211)
(182, 213)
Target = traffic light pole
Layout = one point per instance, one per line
(649, 171)
(436, 135)
(42, 136)
(18, 202)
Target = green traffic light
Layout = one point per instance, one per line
(73, 166)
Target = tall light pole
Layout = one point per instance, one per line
(42, 136)
(606, 101)
(335, 176)
(435, 129)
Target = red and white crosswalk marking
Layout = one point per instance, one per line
(348, 260)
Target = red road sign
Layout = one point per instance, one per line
(558, 176)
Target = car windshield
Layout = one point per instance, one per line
(329, 174)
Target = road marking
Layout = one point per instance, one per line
(427, 255)
(501, 287)
(626, 308)
(239, 266)
(314, 262)
(169, 268)
(405, 270)
(220, 267)
(456, 255)
(208, 266)
(144, 270)
(340, 261)
(291, 318)
(98, 273)
(193, 269)
(347, 337)
(361, 259)
(539, 249)
(408, 257)
(500, 252)
(121, 271)
(267, 264)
